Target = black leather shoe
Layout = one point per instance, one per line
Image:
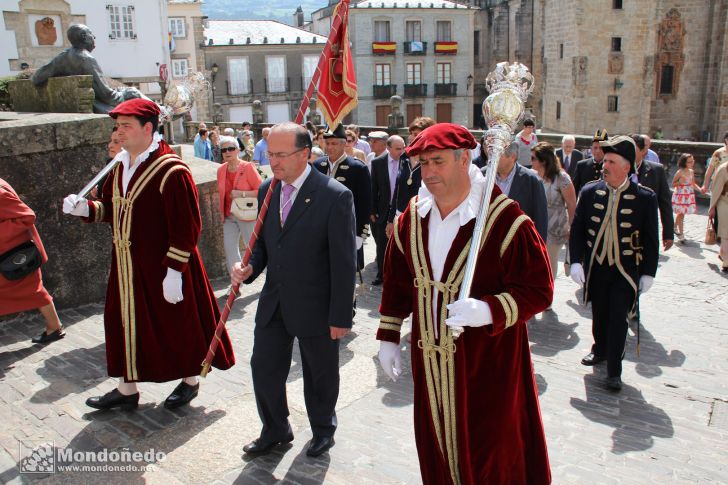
(114, 399)
(181, 395)
(319, 444)
(377, 281)
(592, 359)
(614, 383)
(46, 338)
(258, 447)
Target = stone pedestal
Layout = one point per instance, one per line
(48, 156)
(69, 94)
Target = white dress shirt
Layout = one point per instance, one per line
(125, 158)
(442, 232)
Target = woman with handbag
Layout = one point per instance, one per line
(237, 185)
(719, 208)
(21, 254)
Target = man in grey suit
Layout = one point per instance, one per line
(308, 246)
(523, 185)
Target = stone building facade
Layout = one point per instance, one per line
(131, 36)
(258, 60)
(623, 65)
(419, 50)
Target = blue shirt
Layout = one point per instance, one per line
(505, 183)
(203, 149)
(652, 156)
(260, 153)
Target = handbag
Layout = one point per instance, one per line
(245, 208)
(710, 236)
(20, 261)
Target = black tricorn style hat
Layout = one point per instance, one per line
(621, 145)
(600, 135)
(339, 132)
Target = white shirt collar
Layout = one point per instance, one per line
(301, 179)
(468, 209)
(125, 158)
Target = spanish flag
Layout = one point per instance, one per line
(337, 91)
(384, 47)
(446, 47)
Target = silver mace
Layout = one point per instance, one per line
(509, 86)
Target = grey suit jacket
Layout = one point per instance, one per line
(527, 189)
(310, 261)
(576, 157)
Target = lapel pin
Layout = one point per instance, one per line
(307, 200)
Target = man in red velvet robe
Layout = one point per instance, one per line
(161, 312)
(476, 412)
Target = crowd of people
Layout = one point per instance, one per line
(419, 198)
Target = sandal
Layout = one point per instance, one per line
(46, 338)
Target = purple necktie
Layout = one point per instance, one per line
(286, 201)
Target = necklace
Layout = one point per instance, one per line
(412, 172)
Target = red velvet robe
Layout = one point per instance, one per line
(17, 225)
(147, 338)
(497, 436)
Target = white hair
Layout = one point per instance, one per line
(228, 132)
(568, 138)
(228, 139)
(511, 150)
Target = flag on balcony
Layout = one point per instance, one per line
(416, 46)
(384, 47)
(446, 47)
(337, 92)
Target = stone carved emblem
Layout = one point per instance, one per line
(579, 70)
(671, 33)
(45, 30)
(670, 47)
(616, 63)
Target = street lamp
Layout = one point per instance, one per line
(214, 70)
(213, 74)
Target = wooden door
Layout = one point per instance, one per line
(383, 113)
(413, 111)
(443, 112)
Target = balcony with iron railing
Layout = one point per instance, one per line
(415, 90)
(413, 48)
(277, 85)
(383, 91)
(237, 89)
(446, 89)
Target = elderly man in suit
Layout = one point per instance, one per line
(523, 185)
(384, 177)
(590, 169)
(652, 175)
(569, 155)
(307, 244)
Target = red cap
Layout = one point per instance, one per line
(140, 107)
(442, 136)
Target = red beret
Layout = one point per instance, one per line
(442, 136)
(140, 107)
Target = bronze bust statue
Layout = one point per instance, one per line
(77, 60)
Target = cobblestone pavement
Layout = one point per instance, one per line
(668, 425)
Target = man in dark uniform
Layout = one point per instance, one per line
(614, 242)
(591, 168)
(652, 175)
(354, 175)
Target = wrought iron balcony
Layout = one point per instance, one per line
(414, 90)
(446, 89)
(413, 48)
(384, 90)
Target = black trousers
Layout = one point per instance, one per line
(271, 363)
(380, 239)
(612, 298)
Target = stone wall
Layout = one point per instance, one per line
(68, 94)
(47, 156)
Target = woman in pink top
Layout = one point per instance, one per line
(235, 178)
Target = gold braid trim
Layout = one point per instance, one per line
(499, 204)
(121, 223)
(506, 309)
(390, 326)
(169, 172)
(179, 252)
(514, 308)
(512, 232)
(438, 360)
(396, 235)
(394, 320)
(171, 255)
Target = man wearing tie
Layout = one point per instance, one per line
(307, 245)
(384, 178)
(568, 155)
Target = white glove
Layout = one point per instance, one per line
(359, 242)
(75, 205)
(469, 312)
(172, 286)
(390, 358)
(646, 283)
(577, 273)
